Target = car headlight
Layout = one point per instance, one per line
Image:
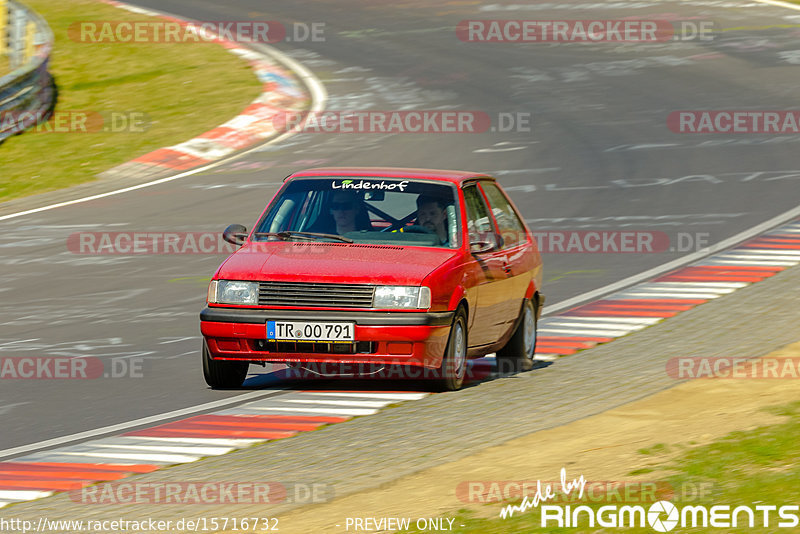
(232, 292)
(402, 297)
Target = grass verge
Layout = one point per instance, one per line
(183, 89)
(748, 468)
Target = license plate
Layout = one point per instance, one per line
(310, 332)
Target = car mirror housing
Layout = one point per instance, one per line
(480, 247)
(483, 242)
(235, 234)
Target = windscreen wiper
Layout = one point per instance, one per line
(288, 234)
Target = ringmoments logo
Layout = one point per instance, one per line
(661, 516)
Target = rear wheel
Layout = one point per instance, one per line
(454, 362)
(223, 374)
(517, 355)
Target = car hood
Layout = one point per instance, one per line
(333, 263)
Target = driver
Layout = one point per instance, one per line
(432, 214)
(349, 213)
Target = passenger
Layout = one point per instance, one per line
(349, 213)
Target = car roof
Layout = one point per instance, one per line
(393, 172)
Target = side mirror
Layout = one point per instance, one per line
(479, 247)
(480, 244)
(235, 234)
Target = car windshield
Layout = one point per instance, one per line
(376, 210)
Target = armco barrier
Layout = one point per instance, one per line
(27, 91)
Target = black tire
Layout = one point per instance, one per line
(454, 364)
(517, 354)
(223, 374)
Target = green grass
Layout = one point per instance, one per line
(184, 90)
(744, 468)
(658, 448)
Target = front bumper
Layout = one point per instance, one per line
(388, 338)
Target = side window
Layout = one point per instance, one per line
(508, 222)
(479, 224)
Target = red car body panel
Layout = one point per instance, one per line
(491, 286)
(341, 263)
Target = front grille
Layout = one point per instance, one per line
(315, 295)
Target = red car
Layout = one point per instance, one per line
(412, 270)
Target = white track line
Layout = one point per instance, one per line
(351, 403)
(604, 319)
(754, 263)
(202, 451)
(134, 441)
(388, 396)
(674, 295)
(237, 443)
(710, 285)
(23, 495)
(166, 458)
(137, 422)
(586, 333)
(772, 252)
(672, 265)
(751, 262)
(320, 411)
(688, 290)
(594, 326)
(589, 327)
(754, 258)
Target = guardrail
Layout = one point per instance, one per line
(27, 91)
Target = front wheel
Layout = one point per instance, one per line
(517, 355)
(454, 362)
(223, 374)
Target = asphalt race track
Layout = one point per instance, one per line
(598, 156)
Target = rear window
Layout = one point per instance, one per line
(508, 222)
